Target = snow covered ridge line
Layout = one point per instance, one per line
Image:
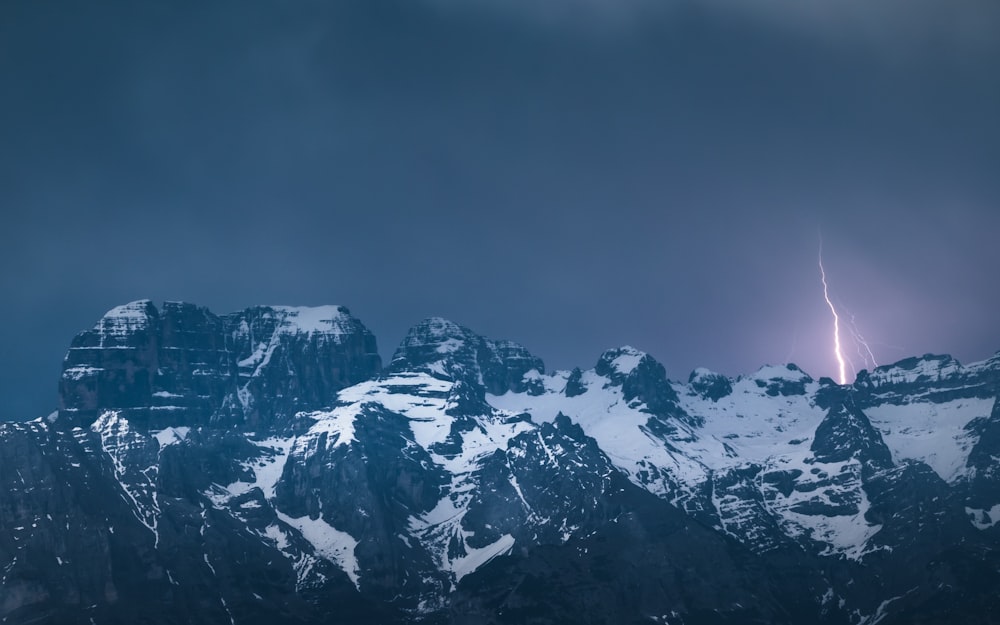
(929, 368)
(425, 402)
(260, 365)
(770, 441)
(119, 442)
(134, 470)
(441, 483)
(134, 316)
(446, 336)
(327, 319)
(767, 422)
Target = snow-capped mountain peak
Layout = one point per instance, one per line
(441, 347)
(261, 467)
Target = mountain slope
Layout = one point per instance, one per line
(261, 467)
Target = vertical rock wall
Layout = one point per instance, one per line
(183, 365)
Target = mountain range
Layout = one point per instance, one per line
(264, 466)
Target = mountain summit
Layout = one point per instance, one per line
(261, 467)
(183, 364)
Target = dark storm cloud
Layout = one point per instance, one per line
(895, 26)
(659, 182)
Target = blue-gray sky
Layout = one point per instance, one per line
(570, 174)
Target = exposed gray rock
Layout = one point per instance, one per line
(183, 365)
(847, 433)
(290, 359)
(443, 347)
(257, 468)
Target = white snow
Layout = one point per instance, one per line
(701, 373)
(232, 621)
(337, 424)
(123, 321)
(329, 542)
(166, 394)
(928, 368)
(423, 400)
(133, 312)
(880, 612)
(209, 564)
(755, 425)
(308, 319)
(171, 436)
(116, 437)
(266, 469)
(930, 432)
(846, 534)
(476, 558)
(260, 357)
(628, 360)
(779, 372)
(439, 326)
(984, 519)
(80, 371)
(604, 415)
(776, 432)
(424, 403)
(276, 534)
(449, 346)
(254, 358)
(747, 426)
(329, 321)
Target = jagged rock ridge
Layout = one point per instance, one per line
(183, 364)
(293, 482)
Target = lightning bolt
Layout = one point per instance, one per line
(842, 365)
(862, 343)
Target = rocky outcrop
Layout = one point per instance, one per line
(650, 563)
(55, 535)
(932, 378)
(710, 385)
(785, 381)
(983, 479)
(442, 347)
(257, 467)
(108, 525)
(847, 433)
(183, 365)
(290, 359)
(644, 384)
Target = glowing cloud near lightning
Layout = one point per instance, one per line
(836, 320)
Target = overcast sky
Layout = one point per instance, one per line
(570, 174)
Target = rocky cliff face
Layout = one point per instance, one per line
(929, 378)
(184, 365)
(290, 359)
(441, 347)
(289, 483)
